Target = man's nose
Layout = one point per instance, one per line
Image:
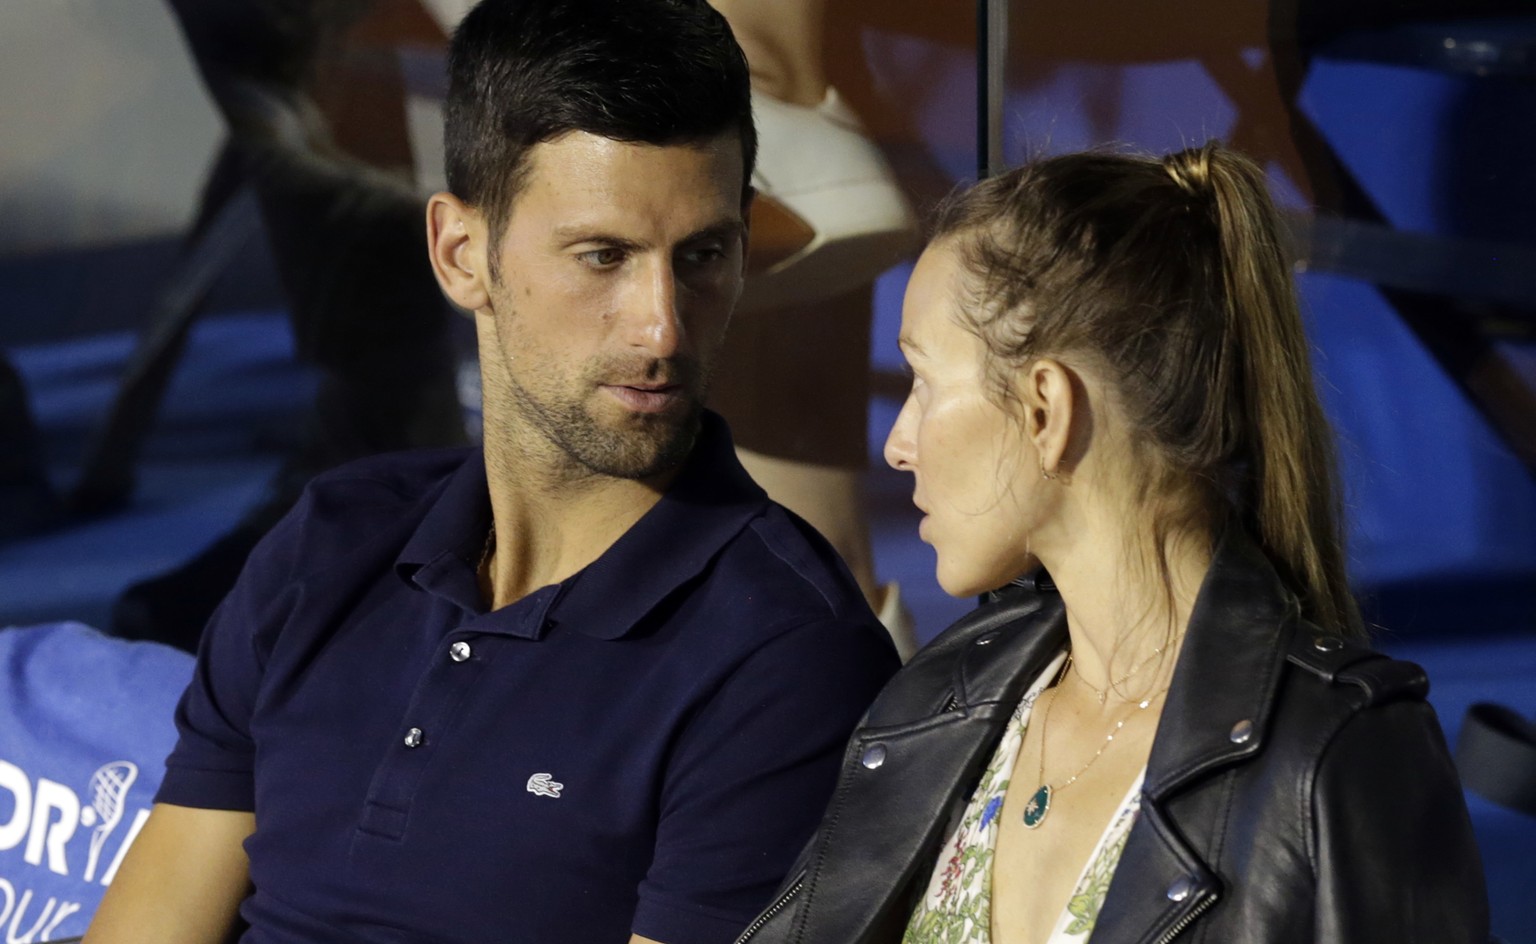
(654, 322)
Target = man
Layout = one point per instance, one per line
(593, 687)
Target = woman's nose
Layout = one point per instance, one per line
(900, 446)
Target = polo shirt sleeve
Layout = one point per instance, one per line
(211, 766)
(751, 775)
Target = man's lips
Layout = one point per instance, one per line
(647, 397)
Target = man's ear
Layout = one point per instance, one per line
(457, 245)
(1050, 403)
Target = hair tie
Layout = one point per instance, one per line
(1191, 170)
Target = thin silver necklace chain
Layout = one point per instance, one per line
(490, 545)
(1115, 685)
(1108, 740)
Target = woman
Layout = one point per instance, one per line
(1179, 734)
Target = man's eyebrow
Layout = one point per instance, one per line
(724, 230)
(574, 233)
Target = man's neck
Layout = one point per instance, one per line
(549, 524)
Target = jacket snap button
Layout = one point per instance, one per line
(873, 757)
(1242, 732)
(460, 651)
(1180, 890)
(1327, 643)
(987, 639)
(414, 737)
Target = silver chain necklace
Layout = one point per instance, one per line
(1040, 801)
(490, 546)
(1115, 685)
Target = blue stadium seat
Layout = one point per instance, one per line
(85, 725)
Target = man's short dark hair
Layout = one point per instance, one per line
(522, 72)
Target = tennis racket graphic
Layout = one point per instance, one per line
(108, 789)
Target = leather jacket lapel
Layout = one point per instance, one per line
(1228, 671)
(1160, 886)
(1000, 663)
(1216, 714)
(936, 758)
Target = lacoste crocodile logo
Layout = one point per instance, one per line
(543, 785)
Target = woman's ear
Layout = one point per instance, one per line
(1050, 403)
(457, 245)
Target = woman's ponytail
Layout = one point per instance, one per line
(1295, 503)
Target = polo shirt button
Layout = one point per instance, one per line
(873, 757)
(414, 737)
(459, 651)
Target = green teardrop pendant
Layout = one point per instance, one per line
(1039, 804)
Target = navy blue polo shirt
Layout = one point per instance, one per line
(644, 747)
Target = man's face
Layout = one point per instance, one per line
(617, 272)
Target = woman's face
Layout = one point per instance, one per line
(973, 469)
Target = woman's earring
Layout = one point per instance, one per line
(1048, 476)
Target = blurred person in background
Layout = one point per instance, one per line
(828, 218)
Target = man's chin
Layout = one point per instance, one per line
(643, 446)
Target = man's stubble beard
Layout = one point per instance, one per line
(583, 448)
(645, 446)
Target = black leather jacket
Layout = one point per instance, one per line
(1298, 788)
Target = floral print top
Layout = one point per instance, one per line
(957, 908)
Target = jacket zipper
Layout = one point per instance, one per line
(774, 909)
(1200, 908)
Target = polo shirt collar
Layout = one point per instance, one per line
(444, 552)
(708, 504)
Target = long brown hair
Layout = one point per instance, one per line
(1172, 276)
